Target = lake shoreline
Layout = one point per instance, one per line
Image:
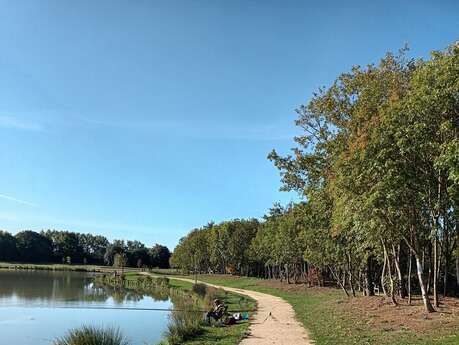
(40, 306)
(229, 335)
(54, 267)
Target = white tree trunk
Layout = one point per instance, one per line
(425, 297)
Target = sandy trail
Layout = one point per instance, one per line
(274, 323)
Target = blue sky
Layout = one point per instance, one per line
(144, 119)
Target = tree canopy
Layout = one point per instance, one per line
(72, 247)
(377, 168)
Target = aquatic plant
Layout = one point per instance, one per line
(89, 335)
(211, 294)
(200, 289)
(183, 325)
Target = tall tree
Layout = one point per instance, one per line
(33, 247)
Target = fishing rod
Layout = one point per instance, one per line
(120, 308)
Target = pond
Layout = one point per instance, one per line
(38, 306)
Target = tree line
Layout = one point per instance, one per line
(72, 247)
(377, 170)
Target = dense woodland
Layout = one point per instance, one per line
(377, 170)
(71, 247)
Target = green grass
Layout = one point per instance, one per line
(230, 335)
(329, 325)
(88, 335)
(53, 267)
(79, 268)
(166, 271)
(220, 335)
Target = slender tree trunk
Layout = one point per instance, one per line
(420, 272)
(399, 271)
(428, 306)
(457, 269)
(429, 274)
(351, 278)
(410, 258)
(391, 279)
(306, 270)
(369, 285)
(351, 284)
(383, 273)
(435, 270)
(359, 283)
(457, 248)
(445, 277)
(447, 249)
(436, 224)
(338, 280)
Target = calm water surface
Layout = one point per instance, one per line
(29, 313)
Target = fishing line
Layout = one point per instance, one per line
(118, 308)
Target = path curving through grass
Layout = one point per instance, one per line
(274, 322)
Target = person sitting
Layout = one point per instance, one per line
(218, 311)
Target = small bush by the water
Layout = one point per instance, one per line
(200, 289)
(88, 335)
(185, 322)
(211, 294)
(162, 281)
(183, 325)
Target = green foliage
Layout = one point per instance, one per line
(119, 260)
(182, 326)
(77, 248)
(33, 247)
(200, 289)
(217, 248)
(377, 167)
(8, 247)
(160, 256)
(88, 335)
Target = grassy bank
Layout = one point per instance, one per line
(54, 267)
(333, 319)
(79, 268)
(207, 335)
(86, 335)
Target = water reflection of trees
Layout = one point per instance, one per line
(120, 294)
(46, 285)
(50, 286)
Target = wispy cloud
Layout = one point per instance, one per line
(18, 123)
(19, 201)
(134, 124)
(203, 130)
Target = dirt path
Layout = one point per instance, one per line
(274, 323)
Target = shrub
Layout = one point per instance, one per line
(183, 325)
(211, 294)
(185, 322)
(88, 335)
(162, 281)
(200, 289)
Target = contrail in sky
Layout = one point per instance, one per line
(19, 201)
